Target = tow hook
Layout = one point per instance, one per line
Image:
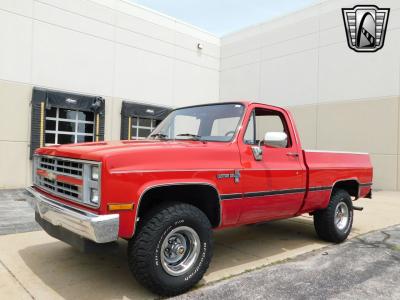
(358, 208)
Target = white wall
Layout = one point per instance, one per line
(109, 48)
(303, 58)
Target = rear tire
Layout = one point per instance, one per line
(172, 249)
(334, 223)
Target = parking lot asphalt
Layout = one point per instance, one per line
(15, 214)
(35, 265)
(366, 267)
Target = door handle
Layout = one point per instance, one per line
(293, 154)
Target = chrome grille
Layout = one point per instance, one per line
(63, 188)
(63, 167)
(47, 168)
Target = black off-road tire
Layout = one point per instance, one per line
(144, 251)
(324, 220)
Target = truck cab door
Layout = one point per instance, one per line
(274, 181)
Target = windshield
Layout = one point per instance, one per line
(216, 122)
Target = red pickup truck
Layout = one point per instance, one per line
(204, 167)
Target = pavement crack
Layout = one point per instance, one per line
(16, 279)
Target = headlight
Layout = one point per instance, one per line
(94, 196)
(95, 173)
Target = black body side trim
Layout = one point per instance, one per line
(319, 188)
(272, 193)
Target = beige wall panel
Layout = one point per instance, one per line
(306, 122)
(116, 119)
(369, 126)
(109, 119)
(385, 171)
(15, 111)
(398, 172)
(14, 164)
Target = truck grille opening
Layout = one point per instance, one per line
(66, 178)
(60, 188)
(64, 167)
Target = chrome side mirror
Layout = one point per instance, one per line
(257, 152)
(276, 139)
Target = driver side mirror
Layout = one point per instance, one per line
(276, 139)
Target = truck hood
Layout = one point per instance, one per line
(150, 154)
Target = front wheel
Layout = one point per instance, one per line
(172, 249)
(334, 223)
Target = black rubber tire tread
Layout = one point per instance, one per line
(141, 249)
(324, 223)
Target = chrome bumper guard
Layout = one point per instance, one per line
(97, 228)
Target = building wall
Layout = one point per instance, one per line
(341, 100)
(108, 48)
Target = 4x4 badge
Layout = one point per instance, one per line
(365, 27)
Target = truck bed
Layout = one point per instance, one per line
(325, 168)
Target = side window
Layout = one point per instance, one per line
(263, 121)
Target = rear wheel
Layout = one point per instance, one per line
(334, 223)
(172, 249)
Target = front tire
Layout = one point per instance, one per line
(334, 223)
(172, 249)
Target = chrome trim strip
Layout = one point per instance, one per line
(338, 152)
(193, 170)
(171, 170)
(97, 228)
(172, 184)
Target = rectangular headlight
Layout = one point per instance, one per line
(95, 173)
(94, 196)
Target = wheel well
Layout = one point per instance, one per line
(351, 186)
(204, 197)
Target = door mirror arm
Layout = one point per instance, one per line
(257, 152)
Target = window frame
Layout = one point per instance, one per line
(276, 113)
(237, 129)
(74, 121)
(137, 127)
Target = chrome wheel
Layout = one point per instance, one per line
(180, 250)
(342, 216)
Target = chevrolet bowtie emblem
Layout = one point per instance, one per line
(51, 176)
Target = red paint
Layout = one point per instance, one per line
(69, 179)
(129, 168)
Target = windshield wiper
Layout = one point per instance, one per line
(194, 137)
(159, 135)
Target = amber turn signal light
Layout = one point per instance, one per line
(121, 206)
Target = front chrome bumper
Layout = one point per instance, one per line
(97, 228)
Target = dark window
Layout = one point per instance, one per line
(66, 126)
(142, 127)
(139, 120)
